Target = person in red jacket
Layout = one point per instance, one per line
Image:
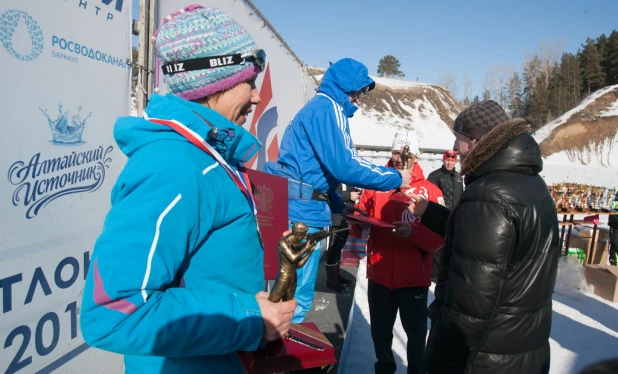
(399, 264)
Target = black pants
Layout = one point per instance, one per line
(383, 306)
(613, 246)
(613, 239)
(334, 251)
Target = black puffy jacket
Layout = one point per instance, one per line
(449, 182)
(493, 305)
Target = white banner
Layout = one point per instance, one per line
(64, 79)
(283, 86)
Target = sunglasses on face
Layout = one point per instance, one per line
(257, 57)
(363, 90)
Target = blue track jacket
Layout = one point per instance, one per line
(317, 149)
(174, 273)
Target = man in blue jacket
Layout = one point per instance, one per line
(317, 154)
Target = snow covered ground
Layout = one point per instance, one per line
(584, 328)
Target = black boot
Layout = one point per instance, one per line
(332, 279)
(342, 279)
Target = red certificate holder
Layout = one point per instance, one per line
(370, 220)
(401, 198)
(271, 197)
(307, 349)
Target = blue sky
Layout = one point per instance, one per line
(432, 37)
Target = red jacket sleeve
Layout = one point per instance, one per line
(422, 237)
(425, 239)
(366, 203)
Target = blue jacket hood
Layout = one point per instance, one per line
(342, 78)
(133, 133)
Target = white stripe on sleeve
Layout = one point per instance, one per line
(153, 246)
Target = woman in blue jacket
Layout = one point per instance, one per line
(176, 274)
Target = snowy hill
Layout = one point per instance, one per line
(398, 105)
(580, 145)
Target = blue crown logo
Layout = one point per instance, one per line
(67, 128)
(9, 22)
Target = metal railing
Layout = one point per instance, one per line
(380, 148)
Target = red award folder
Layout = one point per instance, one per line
(271, 197)
(371, 220)
(307, 348)
(401, 198)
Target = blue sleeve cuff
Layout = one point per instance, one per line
(250, 321)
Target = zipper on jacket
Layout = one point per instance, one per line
(300, 188)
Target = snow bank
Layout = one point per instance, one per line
(542, 133)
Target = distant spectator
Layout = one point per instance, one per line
(450, 183)
(448, 179)
(613, 227)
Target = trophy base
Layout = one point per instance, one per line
(291, 354)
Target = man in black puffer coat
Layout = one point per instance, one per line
(448, 179)
(493, 307)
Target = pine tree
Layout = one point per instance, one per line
(571, 81)
(389, 67)
(611, 59)
(476, 99)
(592, 73)
(533, 84)
(556, 95)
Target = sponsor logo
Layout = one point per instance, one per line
(221, 61)
(11, 22)
(67, 128)
(40, 180)
(96, 7)
(75, 49)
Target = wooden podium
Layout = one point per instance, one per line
(287, 355)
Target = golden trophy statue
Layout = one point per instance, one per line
(304, 346)
(405, 156)
(291, 251)
(293, 254)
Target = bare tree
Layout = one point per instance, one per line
(489, 82)
(467, 89)
(549, 54)
(496, 80)
(448, 81)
